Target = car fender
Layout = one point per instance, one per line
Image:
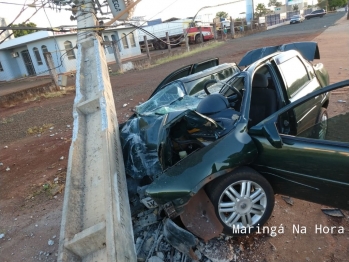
(184, 179)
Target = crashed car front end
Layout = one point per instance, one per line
(173, 150)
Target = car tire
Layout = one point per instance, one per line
(243, 201)
(162, 45)
(198, 39)
(321, 124)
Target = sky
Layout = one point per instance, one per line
(150, 9)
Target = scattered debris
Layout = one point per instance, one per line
(1, 164)
(2, 236)
(180, 238)
(288, 200)
(8, 169)
(333, 212)
(62, 157)
(5, 146)
(124, 105)
(50, 242)
(272, 246)
(217, 250)
(155, 259)
(341, 101)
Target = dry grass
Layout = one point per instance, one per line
(5, 120)
(38, 129)
(61, 93)
(207, 46)
(49, 188)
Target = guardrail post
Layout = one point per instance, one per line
(201, 36)
(147, 47)
(168, 42)
(232, 28)
(214, 30)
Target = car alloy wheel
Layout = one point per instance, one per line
(243, 201)
(243, 208)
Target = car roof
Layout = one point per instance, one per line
(309, 50)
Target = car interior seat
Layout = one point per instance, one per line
(263, 100)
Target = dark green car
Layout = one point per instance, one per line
(214, 145)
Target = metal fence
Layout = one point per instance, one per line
(273, 19)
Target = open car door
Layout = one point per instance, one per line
(307, 157)
(185, 71)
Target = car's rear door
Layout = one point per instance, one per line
(299, 83)
(301, 166)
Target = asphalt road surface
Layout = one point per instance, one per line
(310, 26)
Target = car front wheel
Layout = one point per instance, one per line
(243, 201)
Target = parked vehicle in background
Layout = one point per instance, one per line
(296, 19)
(316, 13)
(176, 30)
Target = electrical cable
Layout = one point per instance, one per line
(54, 37)
(23, 23)
(20, 12)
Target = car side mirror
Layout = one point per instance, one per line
(269, 131)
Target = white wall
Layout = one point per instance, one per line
(15, 67)
(125, 52)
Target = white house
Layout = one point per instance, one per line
(24, 56)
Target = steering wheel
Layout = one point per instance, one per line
(232, 88)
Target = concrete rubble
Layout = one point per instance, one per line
(152, 246)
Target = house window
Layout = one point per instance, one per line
(44, 49)
(131, 37)
(1, 69)
(116, 39)
(124, 41)
(109, 47)
(69, 50)
(37, 56)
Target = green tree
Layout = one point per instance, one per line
(295, 7)
(261, 10)
(332, 4)
(274, 3)
(222, 14)
(322, 4)
(21, 32)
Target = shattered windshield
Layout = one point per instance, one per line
(171, 98)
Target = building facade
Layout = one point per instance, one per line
(24, 56)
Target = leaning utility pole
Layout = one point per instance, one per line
(96, 220)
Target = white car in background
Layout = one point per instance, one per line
(296, 19)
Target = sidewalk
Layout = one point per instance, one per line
(334, 52)
(20, 85)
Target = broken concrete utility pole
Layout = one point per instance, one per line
(96, 221)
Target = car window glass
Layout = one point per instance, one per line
(237, 82)
(171, 98)
(295, 75)
(309, 120)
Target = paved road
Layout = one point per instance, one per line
(314, 25)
